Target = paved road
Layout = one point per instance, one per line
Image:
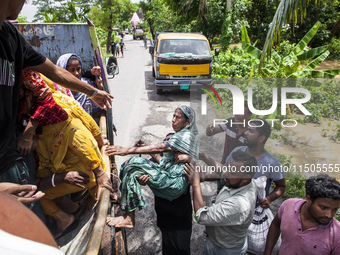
(139, 113)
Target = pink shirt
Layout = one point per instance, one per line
(320, 240)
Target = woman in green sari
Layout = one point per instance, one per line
(166, 178)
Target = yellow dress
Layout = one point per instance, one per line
(68, 146)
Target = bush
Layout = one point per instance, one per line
(102, 36)
(295, 186)
(334, 48)
(233, 63)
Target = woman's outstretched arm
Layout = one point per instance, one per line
(122, 151)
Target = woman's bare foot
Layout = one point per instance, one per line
(126, 221)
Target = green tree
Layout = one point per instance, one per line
(107, 14)
(64, 10)
(22, 19)
(328, 13)
(287, 12)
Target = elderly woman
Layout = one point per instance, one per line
(167, 179)
(67, 145)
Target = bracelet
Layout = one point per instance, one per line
(52, 180)
(94, 93)
(26, 140)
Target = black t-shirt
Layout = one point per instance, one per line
(175, 214)
(15, 54)
(113, 46)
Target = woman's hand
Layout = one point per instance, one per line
(25, 140)
(140, 143)
(143, 180)
(76, 178)
(116, 150)
(99, 83)
(182, 158)
(25, 194)
(96, 70)
(102, 99)
(193, 176)
(102, 141)
(103, 181)
(24, 144)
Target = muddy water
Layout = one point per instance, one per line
(305, 144)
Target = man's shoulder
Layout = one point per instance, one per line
(9, 28)
(290, 205)
(240, 148)
(336, 226)
(292, 201)
(270, 159)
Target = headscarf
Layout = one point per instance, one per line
(82, 98)
(185, 140)
(63, 59)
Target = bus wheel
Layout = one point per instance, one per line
(159, 91)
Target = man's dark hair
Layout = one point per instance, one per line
(322, 186)
(248, 160)
(263, 127)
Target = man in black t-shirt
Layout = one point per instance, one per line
(15, 54)
(234, 129)
(122, 47)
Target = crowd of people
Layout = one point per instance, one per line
(228, 219)
(50, 109)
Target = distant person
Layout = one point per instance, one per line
(227, 220)
(122, 47)
(145, 39)
(308, 226)
(117, 50)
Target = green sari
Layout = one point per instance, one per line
(167, 180)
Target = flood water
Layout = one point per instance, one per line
(305, 144)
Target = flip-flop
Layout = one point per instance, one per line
(73, 226)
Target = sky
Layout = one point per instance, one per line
(29, 10)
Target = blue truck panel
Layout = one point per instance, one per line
(54, 39)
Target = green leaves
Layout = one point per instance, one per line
(289, 63)
(306, 39)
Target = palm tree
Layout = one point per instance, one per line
(287, 11)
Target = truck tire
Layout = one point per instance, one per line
(159, 91)
(153, 72)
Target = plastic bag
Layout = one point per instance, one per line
(258, 229)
